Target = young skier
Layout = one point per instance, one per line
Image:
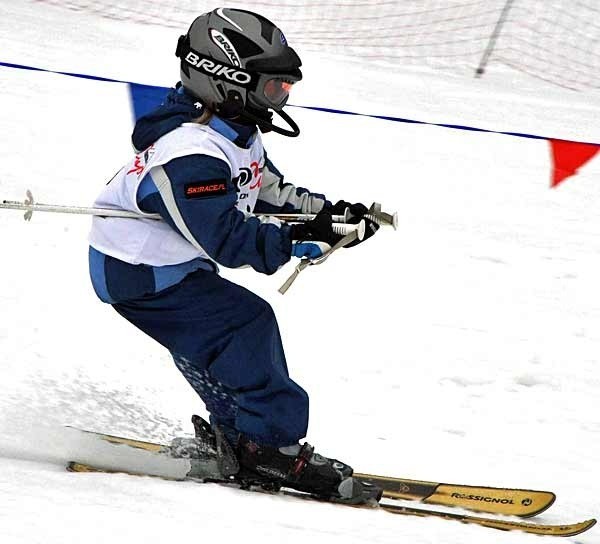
(201, 165)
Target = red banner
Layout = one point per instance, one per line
(568, 157)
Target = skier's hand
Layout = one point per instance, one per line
(314, 238)
(356, 210)
(371, 227)
(357, 214)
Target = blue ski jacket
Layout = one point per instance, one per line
(207, 178)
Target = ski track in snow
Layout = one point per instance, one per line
(462, 348)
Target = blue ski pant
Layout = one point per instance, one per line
(225, 340)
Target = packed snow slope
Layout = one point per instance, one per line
(461, 348)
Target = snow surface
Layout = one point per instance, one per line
(461, 348)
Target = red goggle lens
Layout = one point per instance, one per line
(276, 90)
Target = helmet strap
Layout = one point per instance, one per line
(266, 126)
(233, 107)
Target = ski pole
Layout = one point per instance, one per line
(304, 263)
(375, 214)
(29, 206)
(303, 217)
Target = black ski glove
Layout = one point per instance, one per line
(340, 207)
(314, 238)
(371, 227)
(357, 214)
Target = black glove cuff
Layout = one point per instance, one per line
(300, 232)
(339, 208)
(318, 229)
(356, 210)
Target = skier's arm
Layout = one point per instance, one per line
(196, 196)
(276, 196)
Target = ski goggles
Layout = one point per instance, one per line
(274, 90)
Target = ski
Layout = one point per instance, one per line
(501, 524)
(570, 529)
(491, 500)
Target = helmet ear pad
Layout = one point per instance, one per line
(232, 106)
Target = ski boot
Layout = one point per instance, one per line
(299, 467)
(252, 465)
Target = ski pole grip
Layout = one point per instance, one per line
(360, 230)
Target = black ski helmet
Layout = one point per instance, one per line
(238, 64)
